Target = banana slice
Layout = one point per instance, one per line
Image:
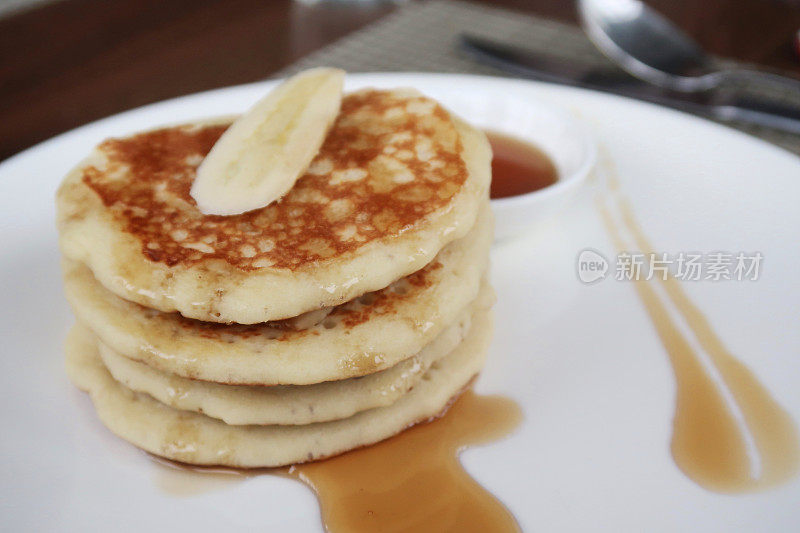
(259, 158)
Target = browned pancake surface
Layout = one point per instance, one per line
(389, 160)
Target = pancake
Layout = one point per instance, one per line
(198, 439)
(364, 336)
(286, 404)
(396, 180)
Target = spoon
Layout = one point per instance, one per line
(651, 48)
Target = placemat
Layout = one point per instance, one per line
(423, 37)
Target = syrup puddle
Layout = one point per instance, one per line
(412, 481)
(728, 434)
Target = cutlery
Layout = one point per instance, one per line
(651, 48)
(721, 105)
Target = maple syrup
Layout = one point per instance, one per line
(410, 482)
(518, 167)
(709, 438)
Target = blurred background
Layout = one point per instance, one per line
(64, 63)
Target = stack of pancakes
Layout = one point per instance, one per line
(351, 309)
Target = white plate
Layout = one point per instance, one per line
(582, 360)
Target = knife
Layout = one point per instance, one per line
(719, 105)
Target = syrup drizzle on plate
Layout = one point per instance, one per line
(410, 482)
(414, 481)
(728, 434)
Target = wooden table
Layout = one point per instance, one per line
(69, 62)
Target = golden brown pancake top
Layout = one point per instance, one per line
(389, 160)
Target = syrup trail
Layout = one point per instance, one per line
(709, 445)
